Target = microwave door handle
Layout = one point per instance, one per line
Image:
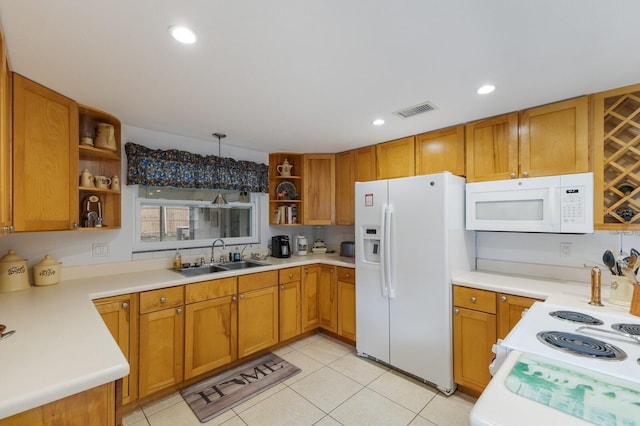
(389, 252)
(383, 257)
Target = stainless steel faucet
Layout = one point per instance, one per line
(243, 249)
(213, 246)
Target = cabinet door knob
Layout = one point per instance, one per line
(234, 298)
(163, 300)
(348, 275)
(242, 297)
(473, 299)
(125, 305)
(503, 298)
(281, 287)
(306, 271)
(290, 275)
(456, 311)
(525, 174)
(179, 311)
(512, 175)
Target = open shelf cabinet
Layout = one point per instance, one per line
(99, 162)
(289, 208)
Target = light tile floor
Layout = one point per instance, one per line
(335, 387)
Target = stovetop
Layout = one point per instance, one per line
(594, 337)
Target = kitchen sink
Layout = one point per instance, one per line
(232, 266)
(220, 267)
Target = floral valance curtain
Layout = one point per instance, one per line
(182, 169)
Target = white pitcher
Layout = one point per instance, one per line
(106, 137)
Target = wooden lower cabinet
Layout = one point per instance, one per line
(161, 343)
(310, 308)
(347, 303)
(289, 303)
(479, 318)
(94, 407)
(510, 310)
(328, 298)
(120, 315)
(474, 333)
(257, 312)
(211, 325)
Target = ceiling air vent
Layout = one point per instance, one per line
(416, 109)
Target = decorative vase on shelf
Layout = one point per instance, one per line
(285, 168)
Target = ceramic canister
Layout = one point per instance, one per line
(46, 272)
(14, 274)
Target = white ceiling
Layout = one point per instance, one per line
(310, 76)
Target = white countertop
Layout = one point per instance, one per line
(61, 345)
(569, 293)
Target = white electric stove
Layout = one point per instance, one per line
(556, 349)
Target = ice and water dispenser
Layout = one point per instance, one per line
(371, 243)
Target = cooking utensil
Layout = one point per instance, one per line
(637, 254)
(609, 260)
(628, 273)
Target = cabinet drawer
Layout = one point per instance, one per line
(472, 298)
(347, 275)
(256, 281)
(289, 275)
(155, 300)
(212, 289)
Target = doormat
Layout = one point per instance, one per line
(219, 393)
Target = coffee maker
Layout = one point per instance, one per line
(280, 246)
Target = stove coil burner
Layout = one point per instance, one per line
(576, 344)
(632, 329)
(577, 317)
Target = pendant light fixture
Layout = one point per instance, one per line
(219, 201)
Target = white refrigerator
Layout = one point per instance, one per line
(410, 239)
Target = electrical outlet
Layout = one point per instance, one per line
(100, 249)
(565, 249)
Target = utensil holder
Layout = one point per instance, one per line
(635, 301)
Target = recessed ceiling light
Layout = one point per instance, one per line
(183, 34)
(378, 122)
(486, 89)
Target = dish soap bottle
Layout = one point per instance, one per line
(236, 255)
(177, 261)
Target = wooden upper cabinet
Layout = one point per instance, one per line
(554, 138)
(492, 148)
(364, 160)
(396, 158)
(440, 151)
(358, 165)
(542, 141)
(6, 219)
(345, 188)
(45, 158)
(319, 189)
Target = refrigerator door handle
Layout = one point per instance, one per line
(388, 251)
(383, 244)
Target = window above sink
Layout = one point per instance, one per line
(169, 218)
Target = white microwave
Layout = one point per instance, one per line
(553, 204)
